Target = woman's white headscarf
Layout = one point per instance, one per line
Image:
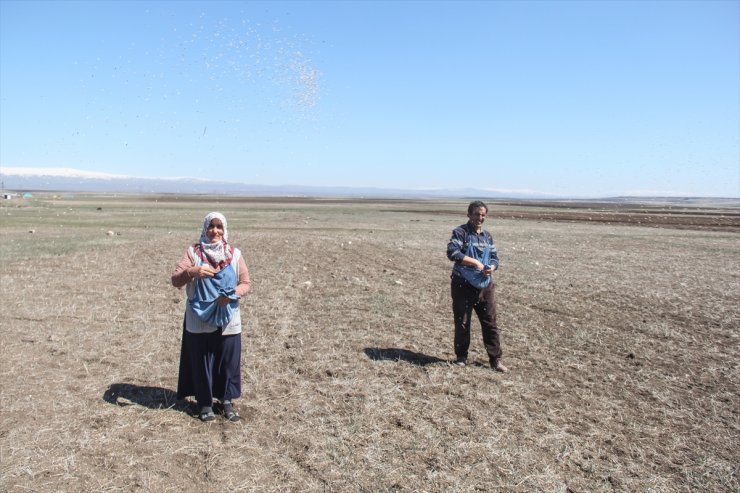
(216, 252)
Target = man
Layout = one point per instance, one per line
(472, 288)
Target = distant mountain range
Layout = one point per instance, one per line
(72, 180)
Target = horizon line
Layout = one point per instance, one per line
(67, 172)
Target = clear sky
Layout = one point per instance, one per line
(582, 98)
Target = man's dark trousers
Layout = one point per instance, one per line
(465, 299)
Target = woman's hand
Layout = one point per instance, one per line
(201, 271)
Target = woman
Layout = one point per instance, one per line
(216, 277)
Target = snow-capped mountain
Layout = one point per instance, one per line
(74, 180)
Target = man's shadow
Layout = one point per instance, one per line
(397, 354)
(126, 394)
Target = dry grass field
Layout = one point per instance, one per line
(623, 340)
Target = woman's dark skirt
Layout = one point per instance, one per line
(210, 367)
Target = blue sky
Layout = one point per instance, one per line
(584, 98)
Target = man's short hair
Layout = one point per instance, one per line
(477, 204)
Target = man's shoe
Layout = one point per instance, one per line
(461, 361)
(498, 366)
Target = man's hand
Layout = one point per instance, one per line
(471, 262)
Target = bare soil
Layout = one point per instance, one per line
(621, 334)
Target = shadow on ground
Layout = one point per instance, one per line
(126, 394)
(396, 354)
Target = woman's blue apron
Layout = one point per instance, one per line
(207, 292)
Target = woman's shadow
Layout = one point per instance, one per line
(126, 394)
(397, 354)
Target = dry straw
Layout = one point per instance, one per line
(622, 341)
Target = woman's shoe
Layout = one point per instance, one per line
(229, 412)
(206, 414)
